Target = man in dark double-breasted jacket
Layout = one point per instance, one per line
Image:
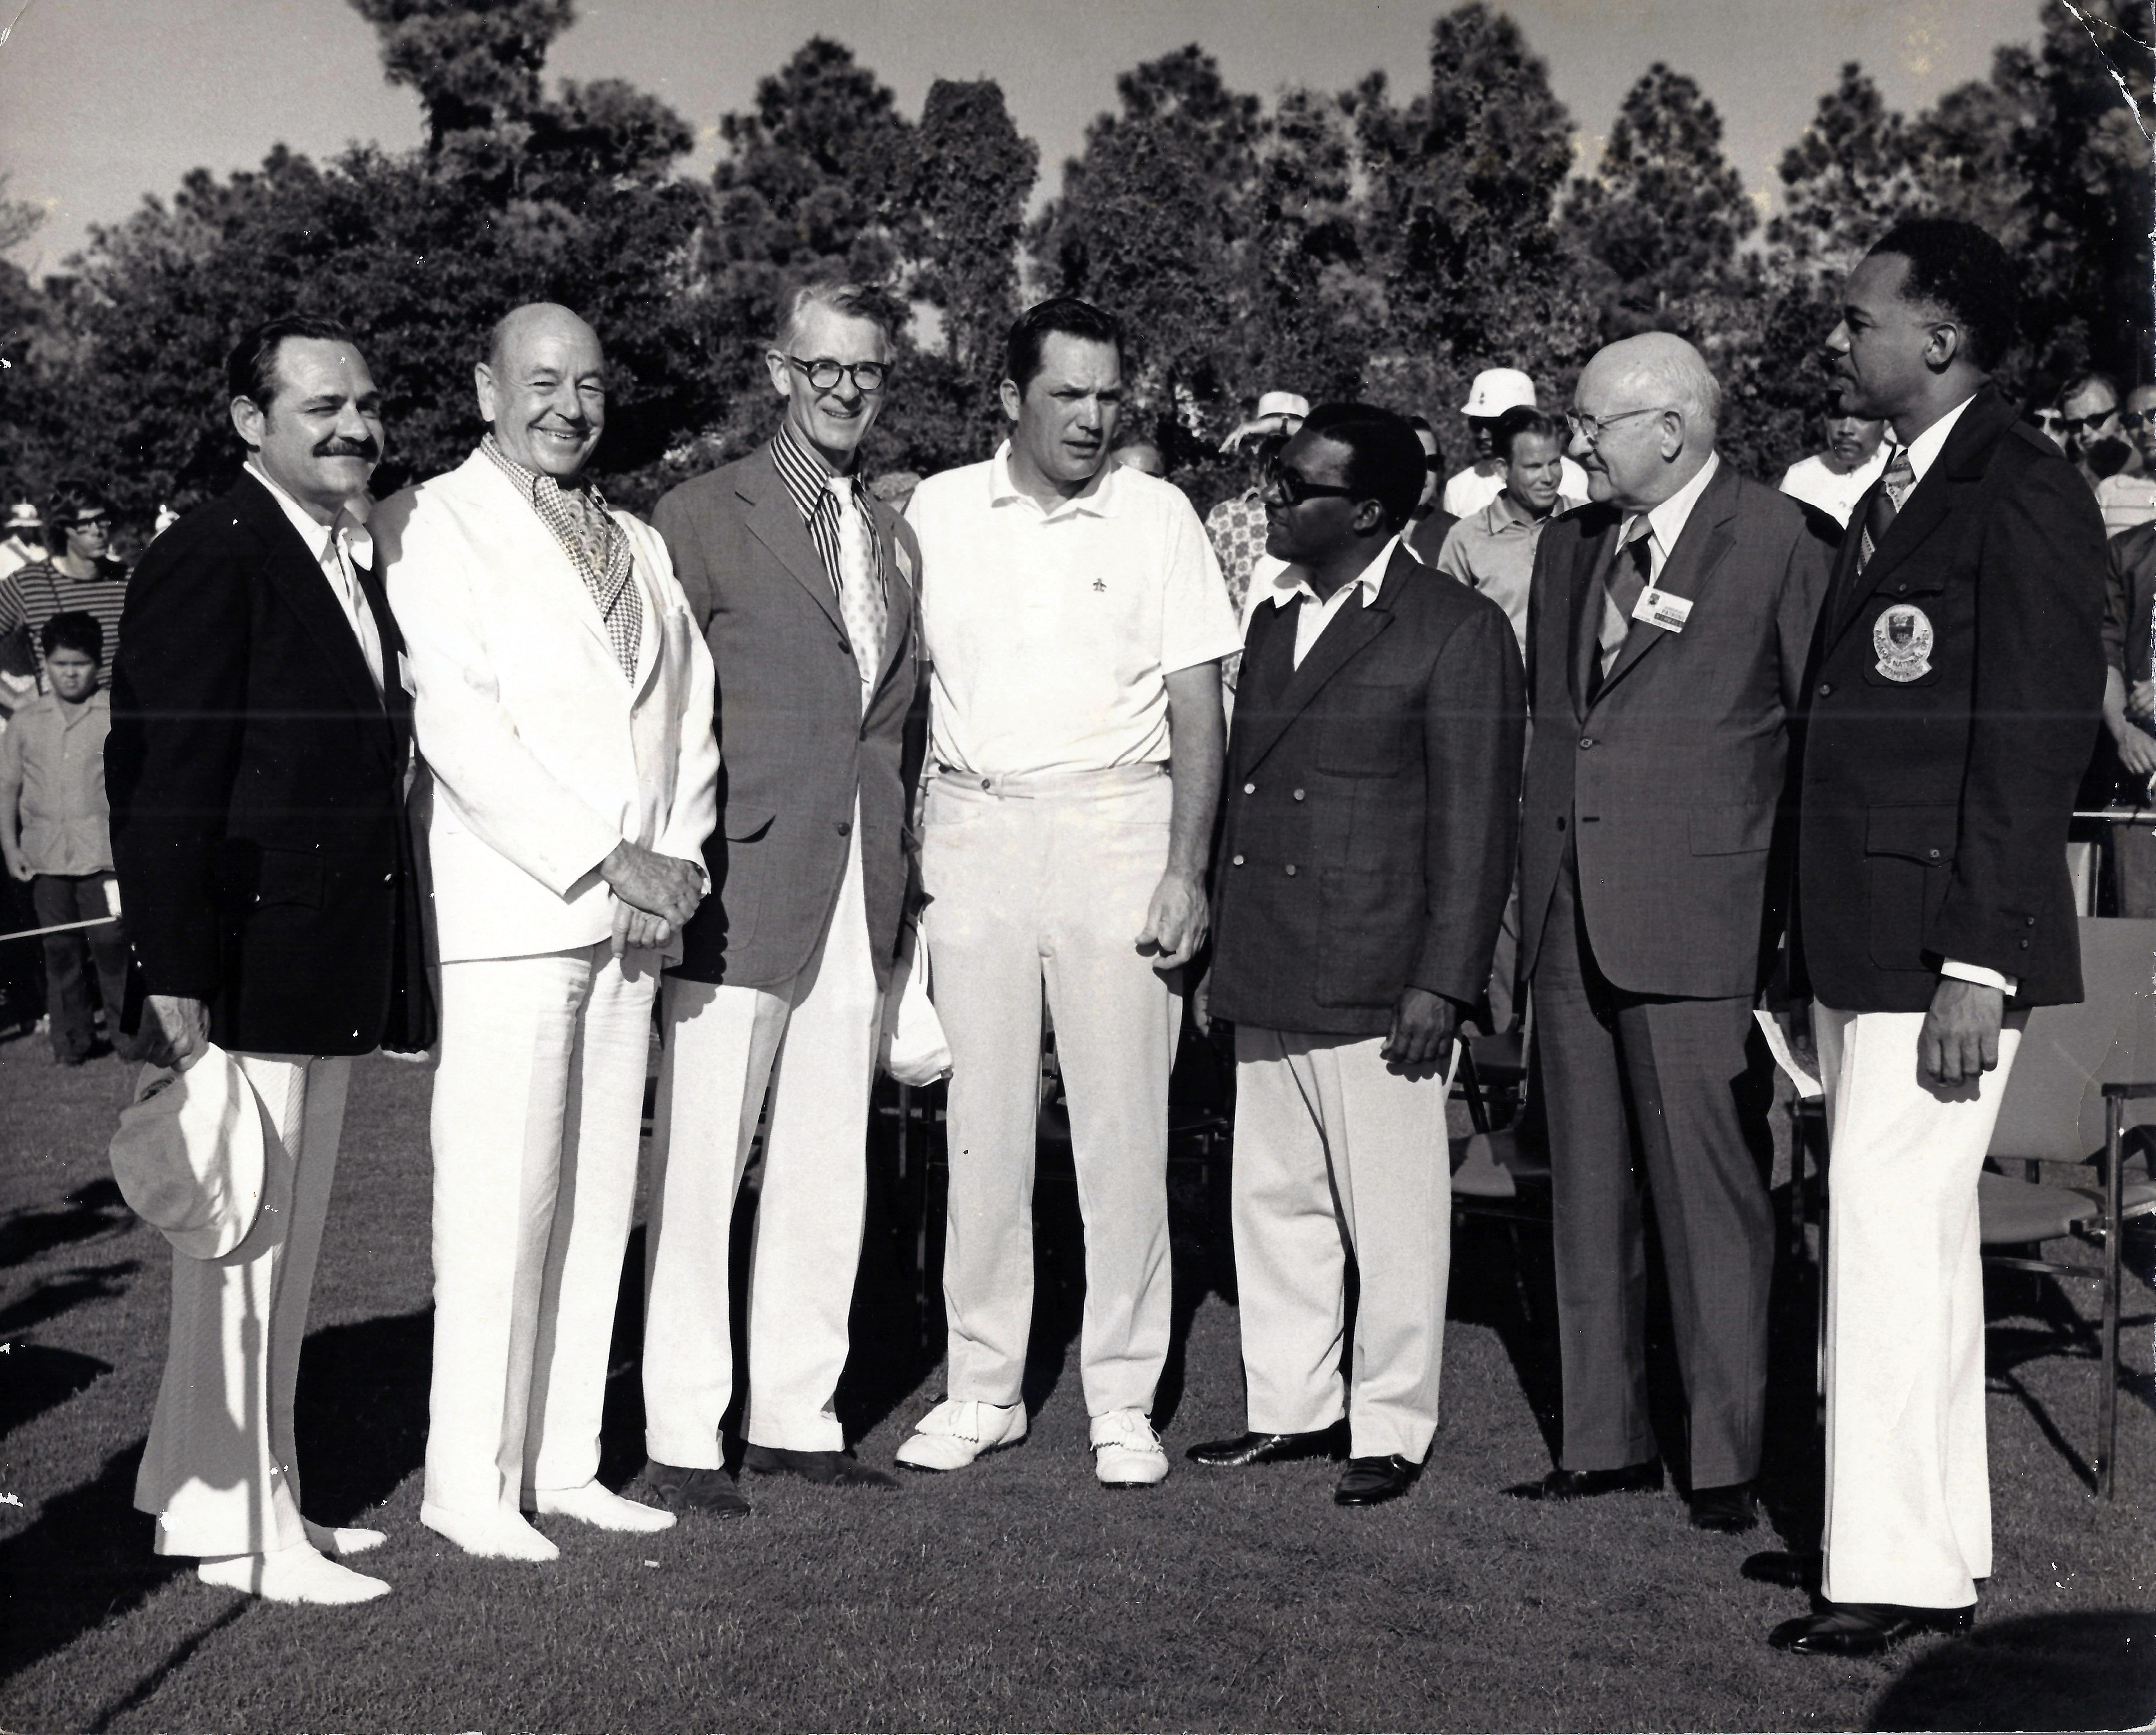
(260, 741)
(1365, 852)
(1953, 694)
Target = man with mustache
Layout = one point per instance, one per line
(255, 768)
(1076, 619)
(562, 696)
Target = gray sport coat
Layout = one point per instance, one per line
(795, 748)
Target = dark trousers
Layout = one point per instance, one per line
(1688, 1079)
(79, 897)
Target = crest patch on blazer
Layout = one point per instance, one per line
(1902, 636)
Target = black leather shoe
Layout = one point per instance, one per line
(1643, 1478)
(1248, 1449)
(694, 1491)
(1372, 1481)
(1864, 1629)
(827, 1470)
(1729, 1509)
(1790, 1570)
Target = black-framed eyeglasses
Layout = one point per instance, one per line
(1293, 489)
(2132, 418)
(2086, 424)
(1590, 427)
(824, 374)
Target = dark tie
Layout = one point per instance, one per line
(1886, 504)
(1629, 571)
(1622, 582)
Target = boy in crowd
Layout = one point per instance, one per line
(55, 834)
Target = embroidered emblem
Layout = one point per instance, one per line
(1902, 636)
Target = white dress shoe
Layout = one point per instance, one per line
(492, 1535)
(296, 1574)
(1126, 1452)
(958, 1431)
(594, 1504)
(337, 1541)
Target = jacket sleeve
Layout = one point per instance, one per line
(1806, 581)
(468, 737)
(2039, 692)
(1473, 719)
(179, 717)
(694, 812)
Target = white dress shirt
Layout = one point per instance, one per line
(338, 548)
(1923, 453)
(1291, 588)
(1836, 492)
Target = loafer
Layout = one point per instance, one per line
(1730, 1509)
(1864, 1629)
(1372, 1481)
(1785, 1567)
(681, 1489)
(1642, 1478)
(1248, 1449)
(827, 1470)
(958, 1431)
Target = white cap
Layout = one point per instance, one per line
(1496, 390)
(188, 1155)
(22, 515)
(1275, 410)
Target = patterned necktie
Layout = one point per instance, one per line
(1622, 584)
(1886, 504)
(860, 596)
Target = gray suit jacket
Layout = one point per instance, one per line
(795, 748)
(1669, 784)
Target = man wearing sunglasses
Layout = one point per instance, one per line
(1669, 621)
(78, 574)
(804, 584)
(2127, 497)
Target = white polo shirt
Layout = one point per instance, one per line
(1051, 634)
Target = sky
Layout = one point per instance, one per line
(102, 101)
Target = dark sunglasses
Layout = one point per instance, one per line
(1293, 489)
(2137, 417)
(92, 521)
(2086, 424)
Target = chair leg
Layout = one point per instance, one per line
(2107, 1396)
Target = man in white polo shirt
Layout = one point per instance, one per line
(1076, 619)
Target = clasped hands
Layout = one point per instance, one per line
(655, 894)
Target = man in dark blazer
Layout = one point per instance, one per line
(256, 768)
(1953, 695)
(1366, 849)
(805, 584)
(1668, 623)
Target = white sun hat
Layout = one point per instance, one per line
(1496, 390)
(1275, 410)
(188, 1155)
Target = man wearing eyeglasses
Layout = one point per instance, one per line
(1668, 624)
(78, 574)
(2127, 497)
(804, 584)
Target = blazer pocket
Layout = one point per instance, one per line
(744, 825)
(1907, 853)
(1736, 830)
(1363, 729)
(1368, 935)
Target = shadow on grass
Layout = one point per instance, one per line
(93, 1209)
(2088, 1670)
(359, 1419)
(63, 1294)
(35, 1378)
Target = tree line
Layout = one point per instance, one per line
(1361, 243)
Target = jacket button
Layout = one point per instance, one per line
(1298, 795)
(1585, 743)
(845, 826)
(1238, 861)
(1901, 590)
(1825, 688)
(2032, 921)
(388, 879)
(1560, 822)
(2025, 945)
(1933, 853)
(988, 782)
(1291, 870)
(1249, 788)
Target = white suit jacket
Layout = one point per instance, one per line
(541, 756)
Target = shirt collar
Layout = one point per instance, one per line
(1665, 522)
(350, 523)
(1925, 449)
(806, 472)
(1292, 584)
(1501, 515)
(1098, 499)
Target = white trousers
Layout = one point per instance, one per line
(538, 1110)
(1047, 881)
(1337, 1156)
(812, 1042)
(1908, 1490)
(219, 1472)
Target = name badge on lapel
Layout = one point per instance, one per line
(1662, 608)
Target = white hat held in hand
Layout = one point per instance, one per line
(1498, 389)
(188, 1155)
(1275, 411)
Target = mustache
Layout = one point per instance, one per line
(338, 446)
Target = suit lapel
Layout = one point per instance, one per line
(544, 552)
(1690, 568)
(292, 567)
(901, 577)
(396, 702)
(1345, 635)
(1584, 615)
(776, 522)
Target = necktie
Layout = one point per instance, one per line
(348, 546)
(1886, 504)
(860, 596)
(1623, 583)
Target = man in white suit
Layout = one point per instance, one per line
(562, 700)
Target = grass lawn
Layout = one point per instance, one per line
(1017, 1595)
